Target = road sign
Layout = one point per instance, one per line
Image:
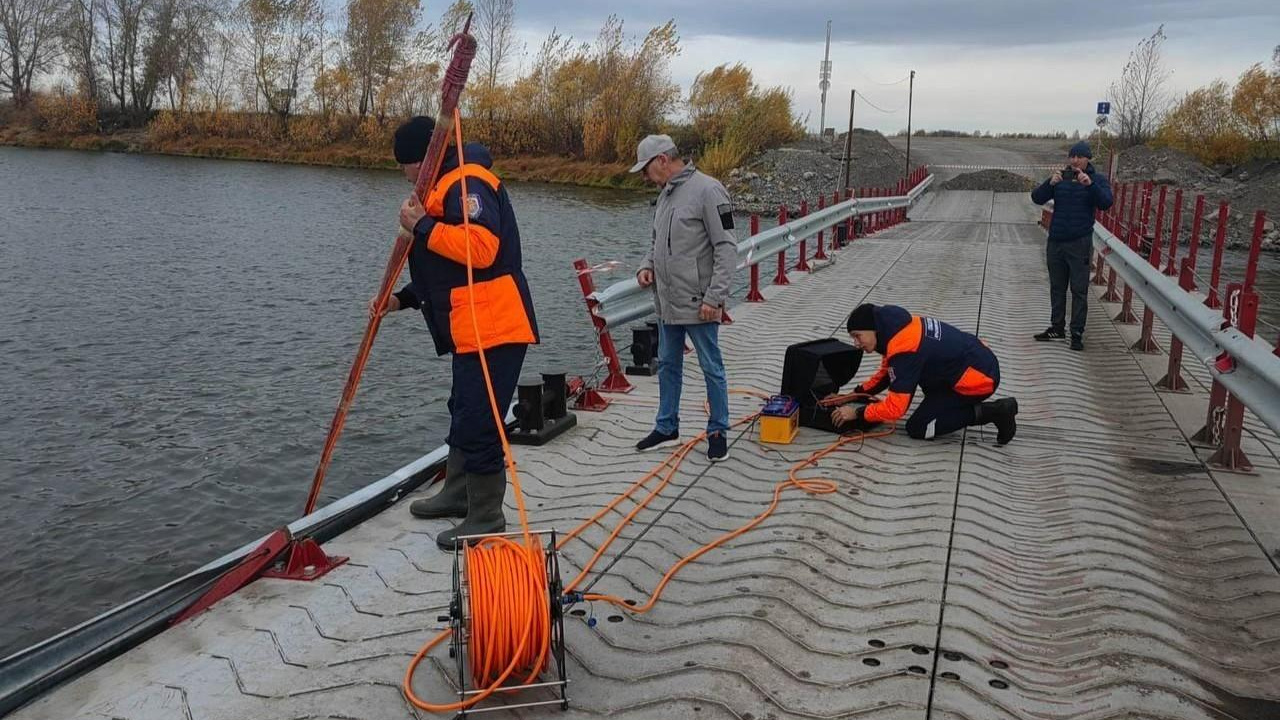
(1104, 108)
(1102, 120)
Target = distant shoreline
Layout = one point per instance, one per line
(539, 168)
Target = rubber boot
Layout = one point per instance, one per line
(485, 494)
(451, 501)
(1002, 413)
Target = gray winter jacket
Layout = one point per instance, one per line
(694, 251)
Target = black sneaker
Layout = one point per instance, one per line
(657, 439)
(717, 447)
(1077, 343)
(1051, 334)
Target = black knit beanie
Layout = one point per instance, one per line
(863, 317)
(412, 138)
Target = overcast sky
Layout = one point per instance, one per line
(995, 65)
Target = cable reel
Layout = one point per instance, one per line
(487, 621)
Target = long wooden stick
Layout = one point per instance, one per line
(455, 79)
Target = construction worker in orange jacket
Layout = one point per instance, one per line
(475, 477)
(956, 371)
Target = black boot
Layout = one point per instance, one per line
(1002, 414)
(484, 509)
(451, 501)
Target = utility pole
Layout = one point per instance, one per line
(848, 149)
(910, 93)
(824, 82)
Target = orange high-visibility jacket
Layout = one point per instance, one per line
(438, 260)
(929, 354)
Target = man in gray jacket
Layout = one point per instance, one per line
(690, 265)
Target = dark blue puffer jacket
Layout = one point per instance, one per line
(1074, 205)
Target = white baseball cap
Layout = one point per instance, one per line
(651, 147)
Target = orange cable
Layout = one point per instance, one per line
(509, 591)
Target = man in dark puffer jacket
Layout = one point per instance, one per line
(1077, 197)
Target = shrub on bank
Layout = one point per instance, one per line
(64, 113)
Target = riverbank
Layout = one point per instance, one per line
(549, 169)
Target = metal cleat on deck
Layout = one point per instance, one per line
(541, 410)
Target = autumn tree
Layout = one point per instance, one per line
(495, 31)
(79, 35)
(413, 89)
(451, 23)
(717, 97)
(1140, 98)
(1202, 124)
(281, 38)
(726, 104)
(28, 44)
(377, 31)
(215, 82)
(120, 48)
(1256, 102)
(633, 89)
(179, 42)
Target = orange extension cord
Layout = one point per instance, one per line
(510, 619)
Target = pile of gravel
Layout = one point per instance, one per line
(809, 168)
(1163, 166)
(993, 180)
(1248, 188)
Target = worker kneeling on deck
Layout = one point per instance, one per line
(956, 371)
(475, 478)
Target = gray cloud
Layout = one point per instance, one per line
(931, 22)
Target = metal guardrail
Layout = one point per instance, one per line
(625, 301)
(1255, 376)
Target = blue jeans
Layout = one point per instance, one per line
(705, 338)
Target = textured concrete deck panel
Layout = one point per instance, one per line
(1094, 568)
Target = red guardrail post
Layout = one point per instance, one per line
(803, 264)
(1172, 380)
(1244, 304)
(1175, 229)
(1219, 243)
(1136, 234)
(1194, 250)
(855, 223)
(839, 240)
(617, 381)
(1215, 416)
(1121, 229)
(1147, 341)
(753, 293)
(822, 253)
(1255, 250)
(1109, 222)
(781, 277)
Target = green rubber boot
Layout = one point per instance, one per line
(484, 509)
(451, 501)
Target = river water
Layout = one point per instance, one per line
(174, 338)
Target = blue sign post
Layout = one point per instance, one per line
(1104, 108)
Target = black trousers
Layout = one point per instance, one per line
(942, 412)
(1068, 262)
(471, 426)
